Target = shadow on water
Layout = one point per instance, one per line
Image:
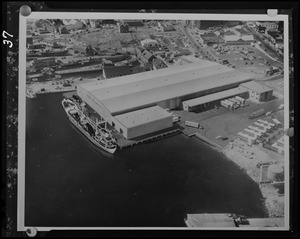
(70, 183)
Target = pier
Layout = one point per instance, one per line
(125, 143)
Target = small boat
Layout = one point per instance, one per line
(100, 137)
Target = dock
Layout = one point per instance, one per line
(204, 139)
(125, 143)
(70, 71)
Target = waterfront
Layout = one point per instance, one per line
(70, 183)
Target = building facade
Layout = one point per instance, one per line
(149, 43)
(267, 26)
(115, 71)
(257, 92)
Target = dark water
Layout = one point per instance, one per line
(71, 183)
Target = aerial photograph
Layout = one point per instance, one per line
(154, 123)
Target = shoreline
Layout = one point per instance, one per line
(246, 158)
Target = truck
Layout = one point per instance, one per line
(257, 113)
(242, 100)
(223, 103)
(236, 101)
(192, 124)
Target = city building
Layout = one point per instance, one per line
(133, 23)
(210, 24)
(257, 92)
(149, 43)
(237, 36)
(123, 28)
(164, 88)
(29, 40)
(146, 56)
(108, 21)
(165, 27)
(94, 23)
(115, 71)
(266, 26)
(210, 38)
(158, 64)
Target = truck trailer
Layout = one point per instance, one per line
(192, 124)
(257, 113)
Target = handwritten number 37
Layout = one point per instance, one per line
(6, 42)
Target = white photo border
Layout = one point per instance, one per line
(151, 16)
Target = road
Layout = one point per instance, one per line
(258, 37)
(198, 48)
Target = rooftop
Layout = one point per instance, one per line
(242, 31)
(254, 86)
(216, 96)
(143, 116)
(209, 220)
(148, 41)
(159, 64)
(147, 88)
(147, 54)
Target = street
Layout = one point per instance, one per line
(258, 38)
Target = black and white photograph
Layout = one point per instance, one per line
(153, 121)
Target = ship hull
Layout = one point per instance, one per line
(86, 134)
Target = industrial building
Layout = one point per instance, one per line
(123, 98)
(142, 122)
(257, 92)
(209, 101)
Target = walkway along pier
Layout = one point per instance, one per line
(123, 143)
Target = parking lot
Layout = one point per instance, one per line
(245, 57)
(222, 122)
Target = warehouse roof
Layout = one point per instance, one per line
(147, 88)
(212, 97)
(209, 220)
(254, 86)
(143, 116)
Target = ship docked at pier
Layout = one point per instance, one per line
(99, 136)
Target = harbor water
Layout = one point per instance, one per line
(71, 183)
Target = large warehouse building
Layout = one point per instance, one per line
(133, 103)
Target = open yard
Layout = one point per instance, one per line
(224, 122)
(245, 57)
